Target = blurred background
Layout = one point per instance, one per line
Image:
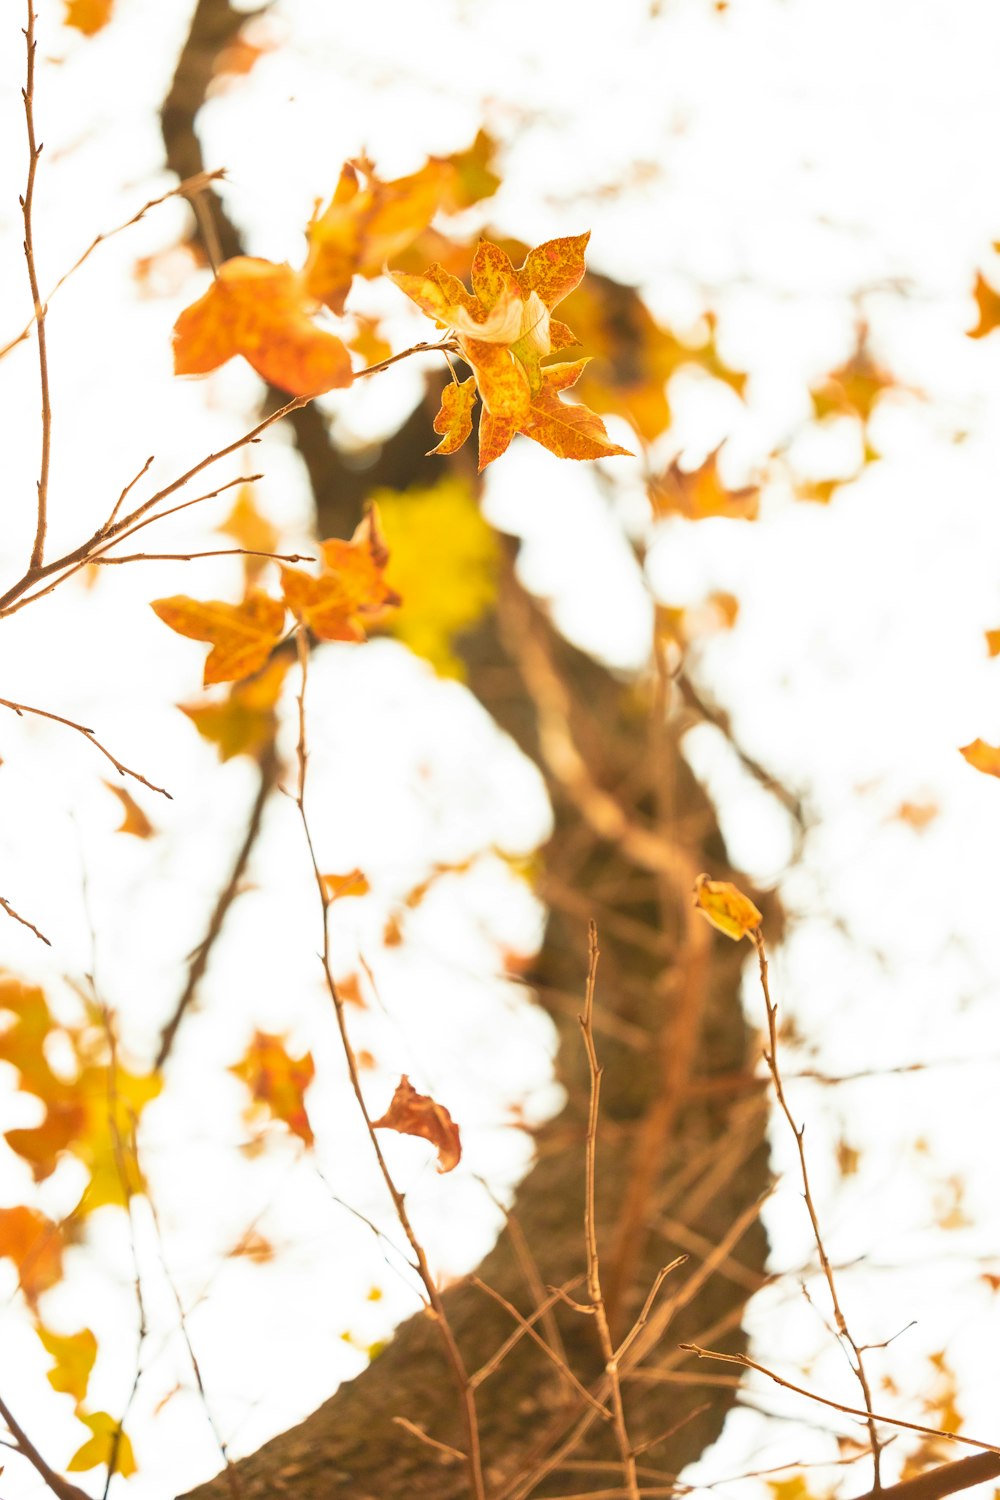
(804, 197)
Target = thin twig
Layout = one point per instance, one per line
(27, 204)
(183, 189)
(128, 489)
(232, 1476)
(23, 921)
(418, 1432)
(746, 1363)
(125, 1181)
(88, 734)
(268, 767)
(594, 1291)
(452, 1352)
(798, 1131)
(525, 1327)
(446, 346)
(99, 552)
(82, 553)
(289, 557)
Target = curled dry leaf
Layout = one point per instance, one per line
(726, 907)
(411, 1113)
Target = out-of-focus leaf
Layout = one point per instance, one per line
(351, 592)
(88, 16)
(984, 757)
(278, 1081)
(73, 1355)
(106, 1444)
(444, 563)
(134, 820)
(700, 495)
(263, 312)
(35, 1245)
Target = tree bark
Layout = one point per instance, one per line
(681, 1157)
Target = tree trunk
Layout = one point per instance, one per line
(681, 1157)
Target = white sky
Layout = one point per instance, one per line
(808, 162)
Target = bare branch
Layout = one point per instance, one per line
(27, 204)
(798, 1131)
(88, 734)
(23, 921)
(61, 1488)
(746, 1363)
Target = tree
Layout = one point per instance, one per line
(682, 1117)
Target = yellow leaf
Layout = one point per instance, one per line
(108, 1444)
(246, 720)
(242, 635)
(248, 528)
(74, 1356)
(984, 757)
(445, 560)
(726, 907)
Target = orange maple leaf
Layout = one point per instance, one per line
(35, 1245)
(262, 311)
(350, 592)
(411, 1113)
(503, 329)
(278, 1081)
(242, 635)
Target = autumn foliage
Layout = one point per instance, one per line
(425, 567)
